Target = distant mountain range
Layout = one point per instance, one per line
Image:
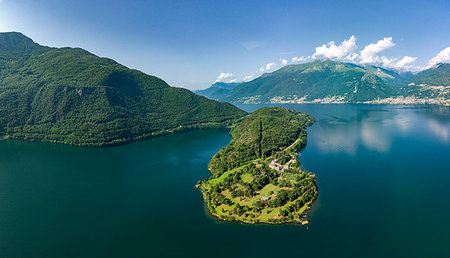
(69, 95)
(217, 90)
(326, 81)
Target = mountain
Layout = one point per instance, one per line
(390, 77)
(319, 81)
(438, 75)
(431, 84)
(71, 96)
(218, 90)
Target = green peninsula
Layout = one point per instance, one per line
(257, 176)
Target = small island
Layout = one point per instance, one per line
(257, 176)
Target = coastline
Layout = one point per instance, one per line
(118, 142)
(302, 222)
(340, 100)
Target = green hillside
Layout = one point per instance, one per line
(260, 135)
(390, 77)
(438, 75)
(431, 84)
(320, 79)
(69, 95)
(257, 176)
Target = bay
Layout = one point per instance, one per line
(383, 176)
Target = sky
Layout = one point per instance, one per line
(195, 43)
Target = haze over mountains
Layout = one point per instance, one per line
(327, 81)
(218, 90)
(69, 95)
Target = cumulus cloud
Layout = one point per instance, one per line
(225, 77)
(369, 55)
(270, 66)
(284, 61)
(299, 59)
(405, 62)
(441, 57)
(333, 51)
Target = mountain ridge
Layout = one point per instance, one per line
(69, 95)
(327, 81)
(315, 80)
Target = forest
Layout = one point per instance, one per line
(68, 95)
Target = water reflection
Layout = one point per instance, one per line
(375, 137)
(334, 138)
(439, 129)
(374, 128)
(347, 127)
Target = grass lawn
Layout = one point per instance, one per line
(268, 188)
(247, 178)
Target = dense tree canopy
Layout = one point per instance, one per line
(69, 95)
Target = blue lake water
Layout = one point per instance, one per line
(383, 175)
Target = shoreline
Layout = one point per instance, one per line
(296, 222)
(387, 101)
(118, 142)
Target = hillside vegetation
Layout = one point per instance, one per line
(257, 176)
(326, 81)
(310, 81)
(69, 95)
(431, 84)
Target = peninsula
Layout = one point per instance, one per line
(257, 176)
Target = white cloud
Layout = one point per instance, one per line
(333, 51)
(441, 57)
(225, 77)
(298, 59)
(284, 61)
(369, 55)
(270, 66)
(404, 63)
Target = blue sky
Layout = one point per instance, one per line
(191, 43)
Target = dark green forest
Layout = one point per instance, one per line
(68, 95)
(260, 135)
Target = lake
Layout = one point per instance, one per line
(383, 174)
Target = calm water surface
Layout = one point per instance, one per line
(383, 176)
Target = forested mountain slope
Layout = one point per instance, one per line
(322, 80)
(69, 95)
